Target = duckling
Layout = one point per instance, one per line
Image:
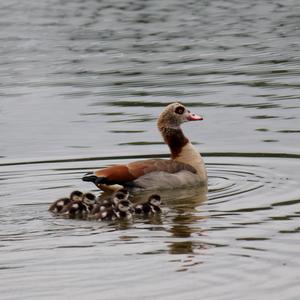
(107, 203)
(155, 202)
(115, 207)
(121, 194)
(105, 214)
(151, 206)
(80, 206)
(89, 200)
(61, 203)
(58, 205)
(124, 209)
(124, 191)
(138, 208)
(76, 209)
(76, 196)
(99, 208)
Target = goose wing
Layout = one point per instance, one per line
(120, 174)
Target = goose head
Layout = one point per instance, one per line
(174, 115)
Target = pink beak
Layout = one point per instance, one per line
(194, 117)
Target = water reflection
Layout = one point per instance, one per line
(180, 208)
(185, 228)
(187, 199)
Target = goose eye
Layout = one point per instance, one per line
(179, 110)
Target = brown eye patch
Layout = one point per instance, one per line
(179, 110)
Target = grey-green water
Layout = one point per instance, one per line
(82, 83)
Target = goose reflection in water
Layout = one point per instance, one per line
(180, 217)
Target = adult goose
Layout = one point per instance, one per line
(184, 169)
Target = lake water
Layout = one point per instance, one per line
(82, 83)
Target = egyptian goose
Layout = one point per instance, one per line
(185, 168)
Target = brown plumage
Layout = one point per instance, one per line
(129, 172)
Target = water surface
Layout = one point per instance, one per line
(82, 83)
